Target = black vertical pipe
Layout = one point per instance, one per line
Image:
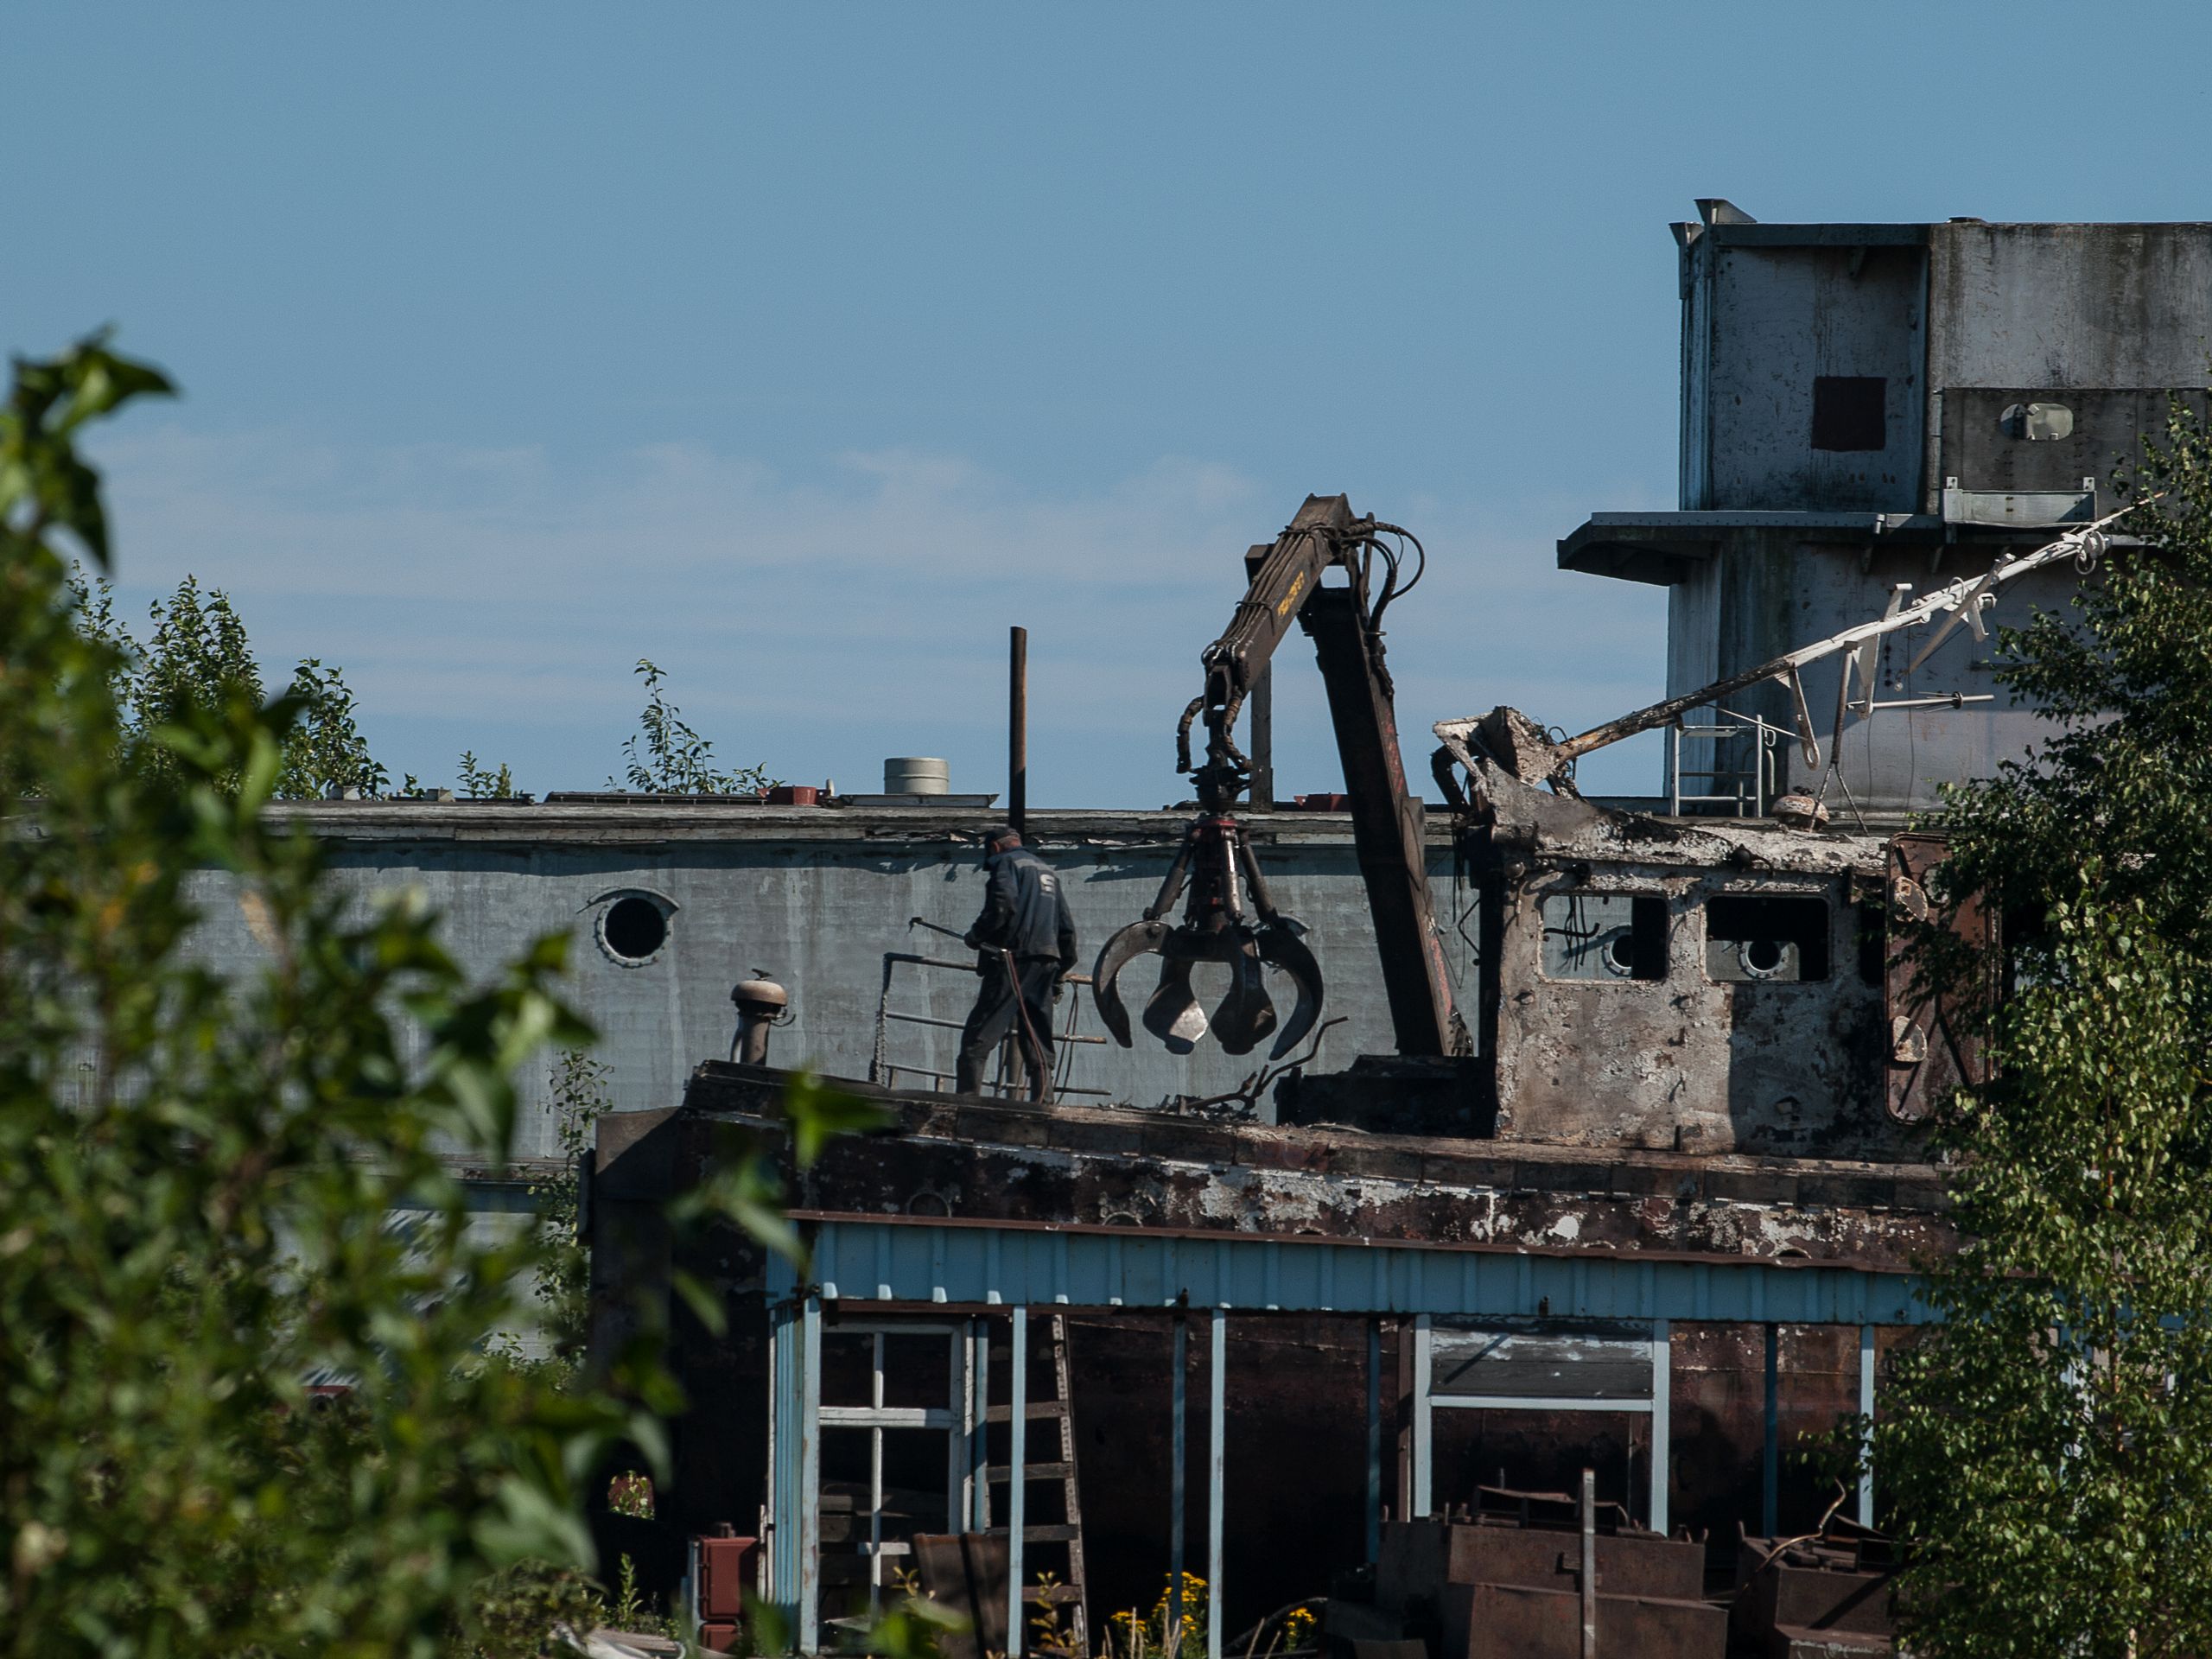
(1263, 740)
(1017, 731)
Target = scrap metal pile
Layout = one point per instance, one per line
(1547, 1575)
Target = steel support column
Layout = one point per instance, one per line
(1017, 1477)
(1217, 1467)
(1662, 1386)
(1867, 1410)
(1424, 1420)
(786, 1500)
(979, 1447)
(809, 1477)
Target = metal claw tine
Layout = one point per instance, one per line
(1281, 947)
(1246, 1014)
(1132, 942)
(1171, 886)
(1172, 1015)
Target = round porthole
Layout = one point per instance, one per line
(1762, 958)
(1619, 955)
(633, 929)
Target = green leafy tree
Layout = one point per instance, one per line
(668, 757)
(2047, 1451)
(324, 752)
(221, 1192)
(479, 782)
(197, 655)
(580, 1100)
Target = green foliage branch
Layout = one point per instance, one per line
(226, 1196)
(2047, 1451)
(667, 757)
(198, 654)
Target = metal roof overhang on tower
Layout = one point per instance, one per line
(1664, 548)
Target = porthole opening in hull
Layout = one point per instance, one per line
(633, 928)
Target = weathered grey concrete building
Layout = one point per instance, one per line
(671, 903)
(1870, 405)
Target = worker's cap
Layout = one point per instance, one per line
(999, 833)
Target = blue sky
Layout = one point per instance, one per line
(804, 349)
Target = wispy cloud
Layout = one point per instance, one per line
(496, 598)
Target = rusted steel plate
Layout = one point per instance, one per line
(1505, 1621)
(1933, 1048)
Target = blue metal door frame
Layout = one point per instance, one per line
(922, 1266)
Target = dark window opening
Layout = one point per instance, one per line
(634, 928)
(1873, 944)
(1749, 937)
(1604, 935)
(1850, 412)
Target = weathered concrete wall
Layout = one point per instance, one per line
(1666, 1029)
(1684, 1061)
(1958, 319)
(815, 897)
(2057, 308)
(1771, 321)
(2068, 305)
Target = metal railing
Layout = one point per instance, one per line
(1755, 786)
(1009, 1081)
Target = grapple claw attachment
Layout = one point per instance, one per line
(1281, 947)
(1172, 1015)
(1132, 942)
(1216, 928)
(1246, 1015)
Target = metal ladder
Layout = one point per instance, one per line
(1061, 1409)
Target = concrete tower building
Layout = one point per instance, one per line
(1865, 406)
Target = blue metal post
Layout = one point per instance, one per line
(1216, 1431)
(1867, 1410)
(809, 1478)
(1017, 1478)
(1661, 1391)
(787, 1409)
(1424, 1420)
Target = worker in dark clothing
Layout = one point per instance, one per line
(1025, 941)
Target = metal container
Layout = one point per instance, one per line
(916, 774)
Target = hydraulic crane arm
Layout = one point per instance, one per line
(1284, 585)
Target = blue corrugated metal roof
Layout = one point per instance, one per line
(907, 1261)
